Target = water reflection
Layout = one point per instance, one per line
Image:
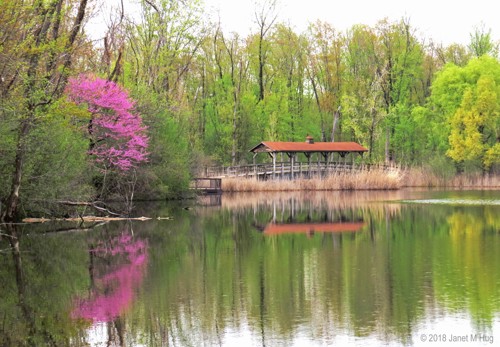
(112, 286)
(249, 271)
(380, 284)
(311, 228)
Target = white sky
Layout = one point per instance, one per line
(443, 21)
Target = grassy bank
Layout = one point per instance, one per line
(365, 180)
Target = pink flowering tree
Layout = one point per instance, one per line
(118, 139)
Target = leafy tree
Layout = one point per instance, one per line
(39, 43)
(326, 70)
(400, 60)
(481, 43)
(117, 137)
(265, 17)
(469, 138)
(468, 98)
(362, 101)
(288, 60)
(454, 53)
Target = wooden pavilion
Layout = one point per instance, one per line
(308, 148)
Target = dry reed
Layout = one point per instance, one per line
(379, 179)
(425, 178)
(364, 180)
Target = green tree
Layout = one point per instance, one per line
(326, 71)
(40, 41)
(468, 99)
(362, 101)
(400, 63)
(481, 43)
(287, 66)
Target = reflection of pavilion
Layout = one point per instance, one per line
(311, 228)
(301, 216)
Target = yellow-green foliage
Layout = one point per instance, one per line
(474, 124)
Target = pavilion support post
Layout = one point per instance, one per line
(254, 166)
(343, 155)
(325, 157)
(327, 163)
(282, 169)
(290, 156)
(319, 165)
(308, 156)
(273, 155)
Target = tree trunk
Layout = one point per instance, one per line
(12, 202)
(336, 117)
(387, 146)
(372, 132)
(261, 70)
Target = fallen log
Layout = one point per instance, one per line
(83, 219)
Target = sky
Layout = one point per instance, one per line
(443, 21)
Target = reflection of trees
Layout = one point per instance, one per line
(112, 291)
(467, 278)
(219, 274)
(316, 200)
(215, 274)
(39, 274)
(116, 270)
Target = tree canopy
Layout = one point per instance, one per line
(207, 96)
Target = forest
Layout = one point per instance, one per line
(136, 114)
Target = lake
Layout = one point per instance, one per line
(398, 268)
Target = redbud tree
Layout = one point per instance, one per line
(118, 138)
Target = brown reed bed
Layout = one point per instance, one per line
(365, 180)
(425, 178)
(380, 179)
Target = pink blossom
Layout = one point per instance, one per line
(117, 134)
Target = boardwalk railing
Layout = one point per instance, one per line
(209, 185)
(285, 169)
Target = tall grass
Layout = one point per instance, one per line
(364, 180)
(426, 178)
(379, 179)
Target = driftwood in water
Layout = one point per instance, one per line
(83, 219)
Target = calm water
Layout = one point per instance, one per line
(363, 269)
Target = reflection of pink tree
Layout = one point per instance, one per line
(113, 292)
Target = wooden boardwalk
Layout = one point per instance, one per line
(285, 170)
(207, 185)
